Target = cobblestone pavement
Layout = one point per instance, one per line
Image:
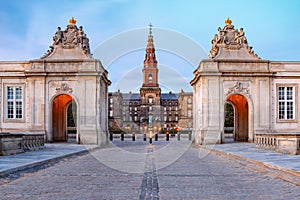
(195, 175)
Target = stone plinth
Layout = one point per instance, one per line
(11, 144)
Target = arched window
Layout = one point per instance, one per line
(150, 78)
(150, 100)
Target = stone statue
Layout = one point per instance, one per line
(57, 38)
(240, 37)
(80, 35)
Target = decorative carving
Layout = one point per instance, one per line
(64, 87)
(230, 38)
(70, 38)
(238, 87)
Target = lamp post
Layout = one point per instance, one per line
(150, 137)
(145, 133)
(156, 133)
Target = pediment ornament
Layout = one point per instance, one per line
(238, 87)
(64, 87)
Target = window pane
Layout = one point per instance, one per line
(18, 93)
(18, 109)
(281, 106)
(10, 92)
(281, 93)
(289, 93)
(10, 110)
(290, 114)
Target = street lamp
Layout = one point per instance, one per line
(150, 137)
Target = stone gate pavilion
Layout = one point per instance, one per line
(36, 94)
(264, 94)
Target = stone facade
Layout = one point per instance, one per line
(264, 93)
(37, 93)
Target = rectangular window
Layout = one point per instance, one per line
(189, 113)
(286, 103)
(14, 106)
(110, 113)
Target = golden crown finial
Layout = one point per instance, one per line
(72, 21)
(228, 21)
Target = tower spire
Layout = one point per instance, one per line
(150, 50)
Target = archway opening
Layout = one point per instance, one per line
(241, 117)
(71, 122)
(61, 119)
(228, 123)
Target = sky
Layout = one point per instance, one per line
(118, 29)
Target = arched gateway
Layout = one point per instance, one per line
(234, 74)
(241, 117)
(63, 111)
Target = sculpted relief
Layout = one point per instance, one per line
(239, 87)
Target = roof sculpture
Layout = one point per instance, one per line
(69, 43)
(230, 43)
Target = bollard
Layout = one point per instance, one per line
(150, 140)
(111, 136)
(145, 137)
(190, 135)
(167, 137)
(133, 137)
(156, 137)
(178, 136)
(122, 136)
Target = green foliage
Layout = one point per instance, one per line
(229, 115)
(71, 115)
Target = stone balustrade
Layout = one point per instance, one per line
(14, 143)
(33, 142)
(284, 142)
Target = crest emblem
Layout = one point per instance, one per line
(229, 37)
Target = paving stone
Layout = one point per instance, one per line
(197, 174)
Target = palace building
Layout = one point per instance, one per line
(263, 93)
(37, 94)
(150, 109)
